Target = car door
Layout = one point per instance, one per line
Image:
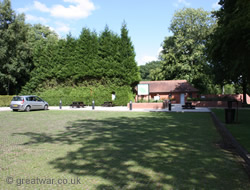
(32, 102)
(38, 103)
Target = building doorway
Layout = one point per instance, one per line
(182, 99)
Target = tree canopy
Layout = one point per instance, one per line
(15, 50)
(91, 57)
(229, 46)
(183, 54)
(149, 67)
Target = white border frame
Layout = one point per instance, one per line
(143, 89)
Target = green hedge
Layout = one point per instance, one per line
(5, 100)
(84, 94)
(87, 94)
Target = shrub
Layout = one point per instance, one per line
(5, 100)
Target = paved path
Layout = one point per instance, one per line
(175, 108)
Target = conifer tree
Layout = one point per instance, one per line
(87, 55)
(129, 70)
(66, 59)
(108, 54)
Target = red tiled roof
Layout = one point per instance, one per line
(169, 86)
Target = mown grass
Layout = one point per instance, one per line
(115, 150)
(241, 128)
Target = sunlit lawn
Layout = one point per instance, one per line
(114, 150)
(241, 129)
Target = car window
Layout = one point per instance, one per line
(39, 99)
(29, 98)
(17, 98)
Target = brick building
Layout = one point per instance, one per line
(179, 90)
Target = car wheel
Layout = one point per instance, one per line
(27, 109)
(46, 107)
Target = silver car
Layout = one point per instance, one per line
(27, 103)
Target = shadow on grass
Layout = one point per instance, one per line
(160, 151)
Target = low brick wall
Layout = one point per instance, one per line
(195, 103)
(214, 104)
(147, 105)
(238, 97)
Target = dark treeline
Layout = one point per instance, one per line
(91, 57)
(34, 58)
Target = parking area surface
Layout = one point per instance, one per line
(175, 108)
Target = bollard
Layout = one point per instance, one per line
(60, 104)
(93, 105)
(169, 106)
(130, 105)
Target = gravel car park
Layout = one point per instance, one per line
(27, 103)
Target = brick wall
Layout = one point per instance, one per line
(146, 105)
(214, 104)
(238, 97)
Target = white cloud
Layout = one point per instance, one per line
(182, 2)
(32, 18)
(62, 27)
(216, 5)
(23, 10)
(41, 7)
(76, 10)
(159, 50)
(142, 60)
(71, 9)
(145, 59)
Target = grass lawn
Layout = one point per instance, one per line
(240, 130)
(114, 150)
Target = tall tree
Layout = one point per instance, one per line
(129, 69)
(86, 66)
(108, 54)
(64, 62)
(183, 54)
(15, 50)
(229, 46)
(44, 47)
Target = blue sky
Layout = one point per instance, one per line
(147, 20)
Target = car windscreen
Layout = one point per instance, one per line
(17, 98)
